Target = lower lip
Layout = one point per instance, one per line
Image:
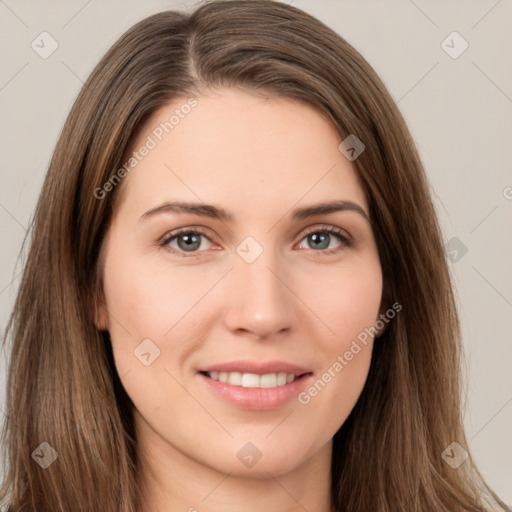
(257, 399)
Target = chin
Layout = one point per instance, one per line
(258, 459)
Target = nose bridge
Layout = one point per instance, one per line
(259, 301)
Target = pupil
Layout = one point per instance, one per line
(315, 238)
(190, 242)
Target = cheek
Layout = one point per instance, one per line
(346, 358)
(345, 299)
(150, 310)
(155, 302)
(147, 299)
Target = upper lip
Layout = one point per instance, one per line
(258, 368)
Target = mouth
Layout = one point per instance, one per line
(255, 386)
(254, 380)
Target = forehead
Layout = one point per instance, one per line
(232, 147)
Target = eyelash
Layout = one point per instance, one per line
(345, 240)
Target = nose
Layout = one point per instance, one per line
(260, 302)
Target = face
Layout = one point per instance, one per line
(235, 317)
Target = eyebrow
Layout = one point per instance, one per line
(216, 212)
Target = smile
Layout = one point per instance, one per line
(253, 380)
(256, 386)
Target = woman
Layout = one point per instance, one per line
(229, 298)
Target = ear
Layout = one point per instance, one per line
(101, 313)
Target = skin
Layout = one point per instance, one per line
(258, 158)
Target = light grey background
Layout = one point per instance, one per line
(458, 109)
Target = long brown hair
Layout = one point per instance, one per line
(62, 385)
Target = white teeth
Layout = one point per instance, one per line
(253, 380)
(268, 381)
(250, 380)
(235, 378)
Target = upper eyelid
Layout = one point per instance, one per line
(326, 227)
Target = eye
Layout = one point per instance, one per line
(190, 240)
(187, 240)
(320, 239)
